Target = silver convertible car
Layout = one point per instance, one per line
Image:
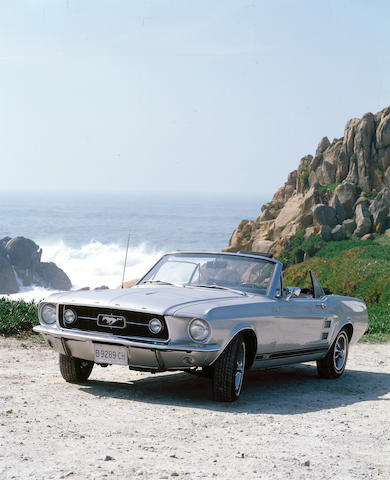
(216, 314)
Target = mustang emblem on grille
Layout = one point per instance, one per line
(111, 321)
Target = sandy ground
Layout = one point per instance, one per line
(288, 424)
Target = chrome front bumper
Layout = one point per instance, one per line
(141, 355)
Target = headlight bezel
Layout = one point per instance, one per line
(204, 324)
(161, 325)
(43, 316)
(66, 322)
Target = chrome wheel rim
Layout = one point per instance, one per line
(240, 369)
(340, 352)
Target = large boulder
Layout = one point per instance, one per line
(4, 241)
(338, 233)
(341, 213)
(51, 276)
(379, 209)
(25, 256)
(311, 198)
(291, 209)
(8, 282)
(241, 238)
(349, 226)
(262, 245)
(363, 221)
(304, 220)
(345, 195)
(363, 141)
(324, 215)
(383, 132)
(349, 136)
(342, 167)
(362, 199)
(322, 146)
(326, 233)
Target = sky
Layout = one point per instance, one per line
(181, 96)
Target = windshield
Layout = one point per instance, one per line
(212, 271)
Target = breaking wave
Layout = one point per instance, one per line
(93, 265)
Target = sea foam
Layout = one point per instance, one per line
(93, 265)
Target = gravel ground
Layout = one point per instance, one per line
(288, 424)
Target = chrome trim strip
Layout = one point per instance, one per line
(128, 322)
(297, 353)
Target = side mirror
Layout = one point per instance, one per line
(292, 292)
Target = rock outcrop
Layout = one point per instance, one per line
(20, 259)
(343, 190)
(51, 276)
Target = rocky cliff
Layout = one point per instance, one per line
(343, 190)
(20, 264)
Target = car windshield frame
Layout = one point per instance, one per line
(251, 262)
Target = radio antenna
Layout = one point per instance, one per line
(124, 266)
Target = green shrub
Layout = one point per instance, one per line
(304, 176)
(326, 191)
(297, 247)
(17, 316)
(371, 195)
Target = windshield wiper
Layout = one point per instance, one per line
(161, 282)
(220, 287)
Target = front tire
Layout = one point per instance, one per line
(333, 365)
(229, 371)
(75, 370)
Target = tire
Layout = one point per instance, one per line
(229, 371)
(333, 365)
(75, 370)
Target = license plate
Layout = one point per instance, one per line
(110, 354)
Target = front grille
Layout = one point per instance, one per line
(136, 323)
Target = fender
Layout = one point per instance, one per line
(344, 322)
(239, 327)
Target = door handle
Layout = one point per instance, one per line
(320, 305)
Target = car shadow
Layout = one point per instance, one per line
(285, 390)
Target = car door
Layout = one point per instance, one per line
(303, 321)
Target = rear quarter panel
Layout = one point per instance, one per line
(348, 310)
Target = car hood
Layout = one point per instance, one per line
(163, 300)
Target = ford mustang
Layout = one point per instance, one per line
(213, 314)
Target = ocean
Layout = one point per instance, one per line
(86, 234)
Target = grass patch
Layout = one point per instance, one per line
(17, 316)
(379, 320)
(356, 268)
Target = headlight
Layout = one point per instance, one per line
(48, 314)
(199, 330)
(69, 316)
(155, 325)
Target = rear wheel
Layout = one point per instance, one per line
(333, 365)
(229, 370)
(75, 370)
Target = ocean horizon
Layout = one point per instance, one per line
(85, 234)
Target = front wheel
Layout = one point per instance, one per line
(75, 370)
(333, 365)
(229, 371)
